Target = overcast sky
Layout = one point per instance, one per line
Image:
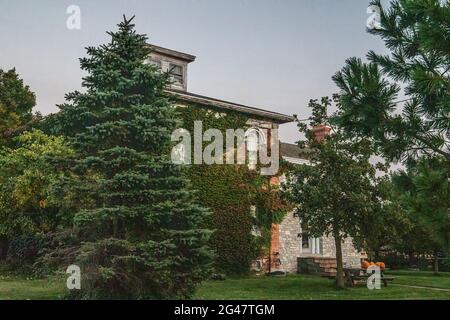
(272, 54)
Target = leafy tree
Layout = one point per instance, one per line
(335, 193)
(417, 33)
(424, 195)
(28, 203)
(145, 231)
(16, 102)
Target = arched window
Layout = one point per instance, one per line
(254, 139)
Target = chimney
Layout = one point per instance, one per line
(320, 132)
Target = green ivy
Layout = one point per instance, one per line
(229, 191)
(225, 189)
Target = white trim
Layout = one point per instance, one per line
(317, 240)
(296, 160)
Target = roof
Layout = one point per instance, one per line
(212, 102)
(172, 53)
(293, 153)
(290, 150)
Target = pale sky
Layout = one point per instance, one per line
(272, 54)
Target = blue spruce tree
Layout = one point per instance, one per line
(142, 227)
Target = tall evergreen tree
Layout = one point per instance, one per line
(143, 228)
(417, 34)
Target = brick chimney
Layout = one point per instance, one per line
(321, 131)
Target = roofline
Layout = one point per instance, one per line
(173, 53)
(207, 101)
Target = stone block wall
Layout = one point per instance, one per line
(288, 246)
(350, 256)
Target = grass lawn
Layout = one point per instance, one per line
(265, 288)
(422, 278)
(317, 288)
(13, 288)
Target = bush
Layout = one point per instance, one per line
(398, 261)
(59, 251)
(106, 274)
(23, 251)
(444, 264)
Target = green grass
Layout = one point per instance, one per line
(265, 288)
(422, 278)
(312, 288)
(18, 288)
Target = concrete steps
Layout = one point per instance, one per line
(317, 265)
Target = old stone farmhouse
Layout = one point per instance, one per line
(293, 249)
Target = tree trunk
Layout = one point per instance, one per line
(115, 227)
(411, 258)
(3, 248)
(436, 264)
(340, 270)
(376, 254)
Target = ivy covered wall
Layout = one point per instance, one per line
(229, 191)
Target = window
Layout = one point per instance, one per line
(305, 237)
(305, 240)
(156, 63)
(176, 71)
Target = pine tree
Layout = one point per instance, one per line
(417, 34)
(143, 229)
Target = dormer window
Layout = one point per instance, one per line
(173, 62)
(176, 71)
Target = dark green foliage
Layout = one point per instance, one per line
(23, 249)
(384, 229)
(423, 193)
(417, 33)
(58, 250)
(146, 233)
